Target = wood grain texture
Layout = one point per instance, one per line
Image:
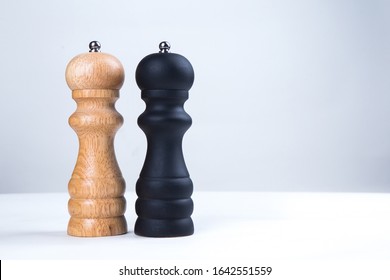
(96, 188)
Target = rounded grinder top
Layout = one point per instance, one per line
(94, 70)
(164, 71)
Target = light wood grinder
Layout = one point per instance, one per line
(96, 188)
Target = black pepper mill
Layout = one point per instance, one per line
(164, 188)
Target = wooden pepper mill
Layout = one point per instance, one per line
(97, 204)
(164, 188)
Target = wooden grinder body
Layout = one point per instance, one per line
(97, 204)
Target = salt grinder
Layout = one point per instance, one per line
(96, 188)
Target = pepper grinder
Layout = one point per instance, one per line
(164, 188)
(96, 188)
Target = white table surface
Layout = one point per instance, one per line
(228, 225)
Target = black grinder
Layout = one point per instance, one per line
(164, 188)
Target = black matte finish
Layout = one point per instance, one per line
(164, 205)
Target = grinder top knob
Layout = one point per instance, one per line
(94, 70)
(164, 70)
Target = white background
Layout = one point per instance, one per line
(288, 95)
